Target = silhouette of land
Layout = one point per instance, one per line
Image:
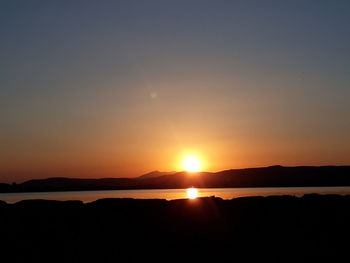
(276, 228)
(273, 176)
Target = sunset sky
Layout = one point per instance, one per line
(120, 88)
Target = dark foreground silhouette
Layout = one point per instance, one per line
(277, 228)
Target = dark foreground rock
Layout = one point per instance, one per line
(279, 229)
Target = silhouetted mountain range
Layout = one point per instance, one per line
(154, 174)
(273, 176)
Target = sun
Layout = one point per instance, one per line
(191, 164)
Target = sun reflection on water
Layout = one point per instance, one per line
(192, 193)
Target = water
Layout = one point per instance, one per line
(170, 194)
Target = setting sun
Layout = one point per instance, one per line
(191, 164)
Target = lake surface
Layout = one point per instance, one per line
(170, 194)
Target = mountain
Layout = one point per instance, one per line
(154, 174)
(273, 176)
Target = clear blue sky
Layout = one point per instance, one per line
(119, 88)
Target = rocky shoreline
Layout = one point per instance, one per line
(277, 228)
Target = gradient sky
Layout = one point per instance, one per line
(121, 88)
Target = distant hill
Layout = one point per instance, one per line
(273, 176)
(154, 174)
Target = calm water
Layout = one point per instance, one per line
(169, 194)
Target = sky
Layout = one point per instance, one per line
(96, 89)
